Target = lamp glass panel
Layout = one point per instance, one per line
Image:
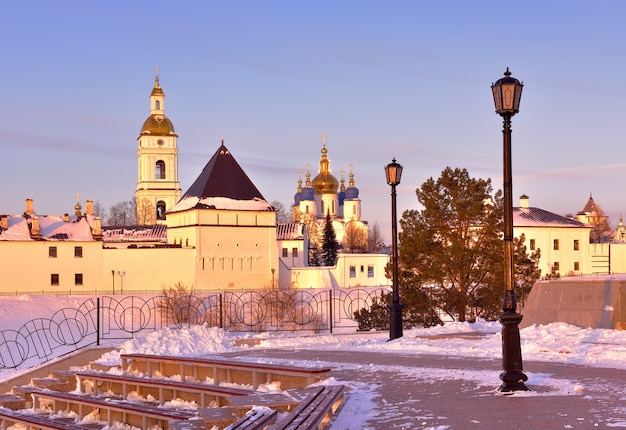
(508, 96)
(497, 97)
(518, 96)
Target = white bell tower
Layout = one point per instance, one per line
(158, 188)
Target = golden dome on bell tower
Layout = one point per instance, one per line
(157, 123)
(325, 182)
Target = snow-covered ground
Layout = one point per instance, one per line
(556, 343)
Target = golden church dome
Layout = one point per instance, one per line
(158, 124)
(325, 182)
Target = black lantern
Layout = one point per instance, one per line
(393, 171)
(507, 93)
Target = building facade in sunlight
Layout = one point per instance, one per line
(222, 234)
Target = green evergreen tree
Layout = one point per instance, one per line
(453, 250)
(329, 243)
(455, 242)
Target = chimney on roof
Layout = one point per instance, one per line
(35, 230)
(89, 207)
(523, 201)
(29, 207)
(97, 228)
(4, 223)
(66, 217)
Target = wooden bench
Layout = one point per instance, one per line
(10, 418)
(137, 414)
(255, 419)
(314, 411)
(220, 370)
(163, 390)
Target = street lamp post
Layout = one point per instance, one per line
(507, 93)
(113, 276)
(122, 274)
(393, 171)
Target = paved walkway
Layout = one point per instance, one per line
(391, 391)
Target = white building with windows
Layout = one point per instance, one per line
(563, 242)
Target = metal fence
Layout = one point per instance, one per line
(121, 317)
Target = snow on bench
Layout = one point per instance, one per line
(221, 370)
(10, 418)
(134, 413)
(162, 389)
(255, 419)
(314, 411)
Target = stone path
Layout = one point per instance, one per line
(391, 391)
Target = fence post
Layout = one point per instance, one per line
(98, 321)
(330, 309)
(221, 312)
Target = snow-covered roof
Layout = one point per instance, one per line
(535, 217)
(151, 233)
(290, 231)
(192, 202)
(53, 227)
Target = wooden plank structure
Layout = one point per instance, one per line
(165, 390)
(143, 415)
(9, 418)
(256, 418)
(314, 411)
(47, 403)
(220, 370)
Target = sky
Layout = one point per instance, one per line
(403, 79)
(556, 343)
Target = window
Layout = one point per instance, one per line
(160, 169)
(78, 251)
(52, 252)
(157, 105)
(362, 269)
(285, 253)
(160, 142)
(370, 271)
(556, 245)
(576, 265)
(353, 271)
(54, 279)
(576, 245)
(294, 252)
(78, 279)
(532, 244)
(556, 266)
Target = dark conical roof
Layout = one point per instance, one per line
(590, 206)
(223, 177)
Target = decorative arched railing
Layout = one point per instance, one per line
(121, 317)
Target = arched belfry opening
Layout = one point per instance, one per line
(160, 210)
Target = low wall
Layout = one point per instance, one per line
(588, 303)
